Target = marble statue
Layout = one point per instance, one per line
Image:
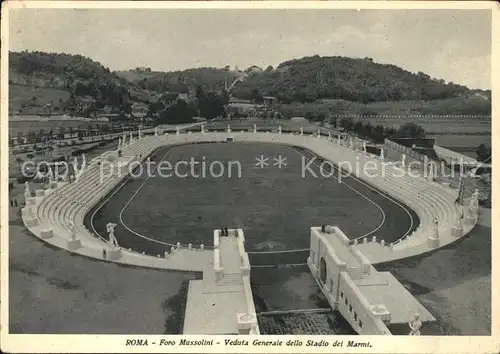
(139, 133)
(301, 131)
(228, 128)
(156, 131)
(415, 325)
(338, 139)
(203, 128)
(364, 145)
(131, 137)
(110, 228)
(50, 175)
(431, 171)
(435, 227)
(27, 190)
(474, 201)
(403, 160)
(351, 143)
(72, 230)
(84, 160)
(279, 129)
(460, 223)
(255, 128)
(75, 166)
(382, 153)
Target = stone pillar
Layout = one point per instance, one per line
(114, 253)
(433, 239)
(430, 177)
(31, 221)
(471, 215)
(73, 244)
(46, 233)
(458, 229)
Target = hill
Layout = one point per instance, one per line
(42, 82)
(64, 83)
(356, 80)
(210, 79)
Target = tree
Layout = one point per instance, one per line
(200, 95)
(155, 107)
(62, 131)
(358, 127)
(256, 96)
(211, 106)
(483, 153)
(19, 161)
(410, 130)
(180, 112)
(320, 118)
(347, 123)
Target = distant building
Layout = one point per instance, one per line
(269, 100)
(254, 69)
(183, 96)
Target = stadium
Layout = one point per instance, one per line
(279, 197)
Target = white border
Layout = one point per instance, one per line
(116, 343)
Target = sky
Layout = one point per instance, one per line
(454, 45)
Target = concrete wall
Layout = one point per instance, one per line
(341, 292)
(356, 310)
